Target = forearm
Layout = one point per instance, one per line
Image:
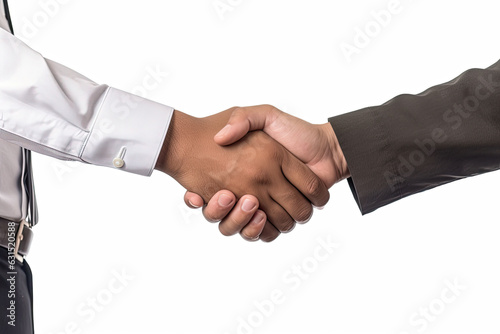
(53, 110)
(416, 142)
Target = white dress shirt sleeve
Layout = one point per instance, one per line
(51, 109)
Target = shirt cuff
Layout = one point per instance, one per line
(128, 133)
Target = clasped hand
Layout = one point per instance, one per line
(256, 183)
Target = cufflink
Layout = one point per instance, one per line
(118, 161)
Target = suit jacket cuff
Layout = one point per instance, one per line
(367, 150)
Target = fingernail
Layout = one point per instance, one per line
(225, 200)
(193, 205)
(224, 131)
(319, 207)
(248, 205)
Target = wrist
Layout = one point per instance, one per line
(340, 163)
(176, 143)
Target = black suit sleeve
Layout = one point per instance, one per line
(417, 142)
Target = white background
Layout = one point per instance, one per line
(187, 278)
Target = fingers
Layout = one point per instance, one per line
(192, 200)
(219, 206)
(253, 230)
(243, 120)
(277, 217)
(305, 181)
(240, 216)
(243, 218)
(293, 202)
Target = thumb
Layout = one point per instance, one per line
(244, 120)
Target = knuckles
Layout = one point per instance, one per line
(315, 188)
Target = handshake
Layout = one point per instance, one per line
(259, 170)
